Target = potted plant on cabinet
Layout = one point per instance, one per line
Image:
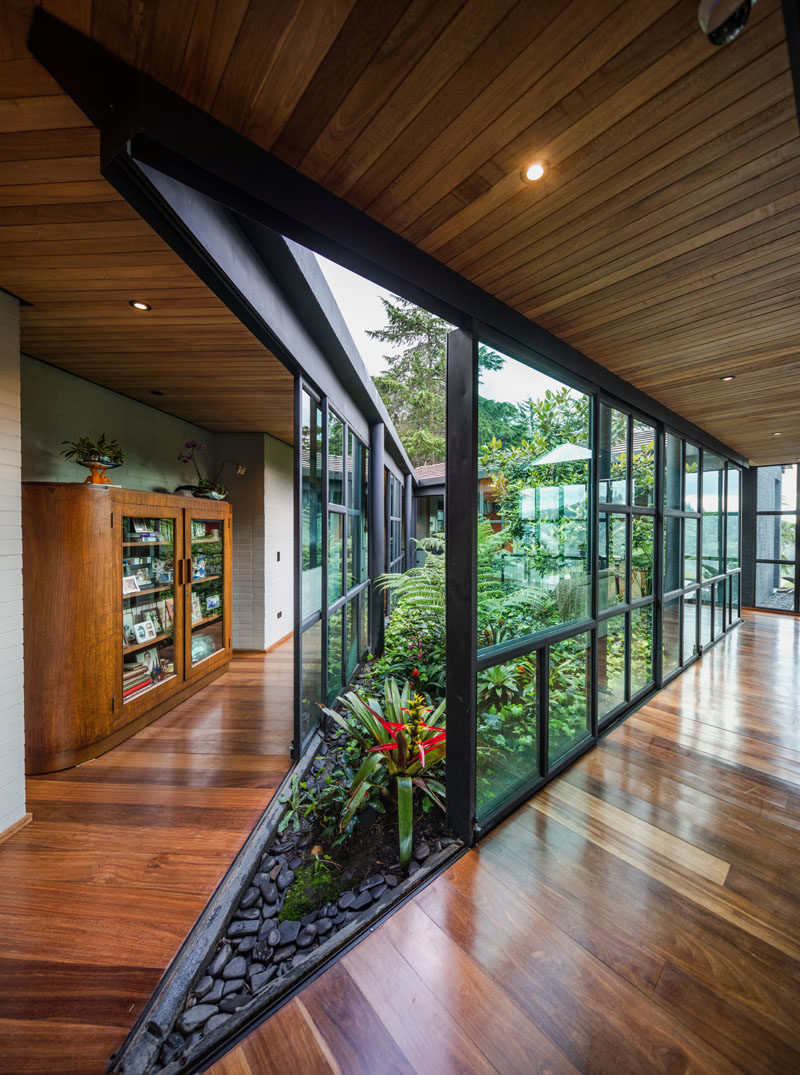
(98, 455)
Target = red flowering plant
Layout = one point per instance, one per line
(403, 739)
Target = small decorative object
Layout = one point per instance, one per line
(206, 488)
(130, 584)
(98, 455)
(197, 612)
(144, 631)
(199, 568)
(212, 602)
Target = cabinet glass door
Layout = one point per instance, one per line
(148, 605)
(205, 587)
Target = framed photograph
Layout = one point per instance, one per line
(151, 616)
(197, 612)
(170, 606)
(213, 602)
(165, 614)
(127, 628)
(149, 658)
(144, 631)
(143, 579)
(199, 567)
(130, 584)
(140, 526)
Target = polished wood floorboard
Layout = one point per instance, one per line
(638, 915)
(100, 890)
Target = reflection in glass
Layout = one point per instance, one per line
(335, 654)
(775, 586)
(568, 720)
(706, 623)
(691, 468)
(311, 690)
(713, 477)
(206, 594)
(312, 508)
(733, 518)
(610, 665)
(612, 456)
(672, 473)
(719, 608)
(335, 460)
(507, 756)
(641, 648)
(335, 534)
(689, 551)
(643, 464)
(355, 509)
(733, 597)
(611, 560)
(535, 472)
(775, 537)
(642, 552)
(672, 553)
(365, 516)
(352, 636)
(776, 488)
(689, 626)
(671, 636)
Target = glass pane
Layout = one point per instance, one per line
(642, 552)
(534, 572)
(671, 636)
(689, 626)
(706, 625)
(335, 460)
(311, 440)
(775, 537)
(363, 622)
(713, 477)
(689, 551)
(733, 596)
(365, 516)
(568, 722)
(775, 586)
(672, 553)
(610, 665)
(612, 456)
(148, 604)
(643, 464)
(672, 473)
(311, 688)
(733, 518)
(719, 608)
(776, 488)
(352, 637)
(335, 534)
(335, 661)
(207, 588)
(692, 466)
(508, 756)
(611, 560)
(641, 648)
(355, 507)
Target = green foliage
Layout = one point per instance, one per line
(402, 740)
(84, 449)
(315, 884)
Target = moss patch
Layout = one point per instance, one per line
(314, 885)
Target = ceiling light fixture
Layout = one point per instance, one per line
(777, 434)
(137, 305)
(533, 172)
(728, 377)
(723, 20)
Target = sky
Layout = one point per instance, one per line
(360, 303)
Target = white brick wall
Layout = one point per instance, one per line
(279, 537)
(57, 406)
(12, 731)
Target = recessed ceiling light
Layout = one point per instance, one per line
(139, 305)
(156, 392)
(534, 172)
(729, 377)
(777, 434)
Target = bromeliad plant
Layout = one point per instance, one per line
(403, 740)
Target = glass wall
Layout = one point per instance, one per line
(776, 538)
(608, 555)
(311, 562)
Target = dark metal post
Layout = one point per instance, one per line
(747, 538)
(297, 623)
(409, 520)
(377, 534)
(461, 534)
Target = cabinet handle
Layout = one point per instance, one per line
(188, 571)
(179, 572)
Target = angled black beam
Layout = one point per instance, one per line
(140, 116)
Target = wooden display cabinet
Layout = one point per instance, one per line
(127, 611)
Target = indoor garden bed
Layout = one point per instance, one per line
(299, 893)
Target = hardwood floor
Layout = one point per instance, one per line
(122, 855)
(639, 915)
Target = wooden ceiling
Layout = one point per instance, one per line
(77, 252)
(662, 240)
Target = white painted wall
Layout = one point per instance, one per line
(279, 538)
(58, 406)
(12, 729)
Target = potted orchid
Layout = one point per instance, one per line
(206, 488)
